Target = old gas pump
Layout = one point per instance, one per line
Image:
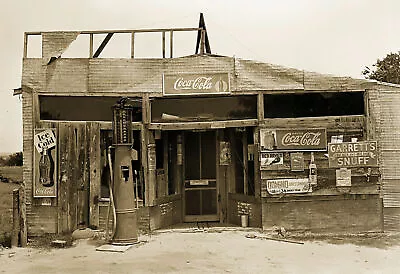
(123, 177)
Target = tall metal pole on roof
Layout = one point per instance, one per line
(200, 34)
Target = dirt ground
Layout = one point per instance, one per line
(211, 251)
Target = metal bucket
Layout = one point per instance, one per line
(244, 220)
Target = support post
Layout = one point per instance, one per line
(133, 45)
(171, 43)
(163, 44)
(202, 39)
(25, 45)
(15, 219)
(22, 217)
(91, 45)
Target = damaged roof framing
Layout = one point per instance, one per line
(55, 43)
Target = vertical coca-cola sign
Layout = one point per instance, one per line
(45, 163)
(190, 83)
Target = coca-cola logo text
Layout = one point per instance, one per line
(199, 83)
(301, 139)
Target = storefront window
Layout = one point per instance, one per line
(83, 108)
(191, 109)
(313, 104)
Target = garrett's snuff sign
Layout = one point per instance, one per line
(204, 83)
(357, 154)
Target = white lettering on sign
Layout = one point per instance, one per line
(44, 139)
(279, 186)
(199, 83)
(303, 139)
(353, 154)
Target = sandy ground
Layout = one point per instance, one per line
(205, 252)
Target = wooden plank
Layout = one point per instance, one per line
(203, 125)
(163, 44)
(221, 180)
(257, 172)
(129, 31)
(91, 45)
(72, 178)
(83, 183)
(260, 107)
(133, 45)
(94, 184)
(171, 43)
(103, 44)
(15, 218)
(63, 166)
(25, 45)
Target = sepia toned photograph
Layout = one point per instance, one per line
(200, 136)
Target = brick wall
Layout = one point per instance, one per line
(239, 204)
(349, 213)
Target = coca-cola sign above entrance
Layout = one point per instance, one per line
(204, 83)
(294, 139)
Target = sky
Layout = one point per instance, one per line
(338, 37)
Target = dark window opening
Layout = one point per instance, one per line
(83, 108)
(204, 108)
(313, 104)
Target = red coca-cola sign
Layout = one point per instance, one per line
(205, 83)
(301, 139)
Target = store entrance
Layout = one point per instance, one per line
(200, 186)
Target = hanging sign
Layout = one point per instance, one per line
(357, 154)
(224, 154)
(293, 139)
(343, 177)
(45, 162)
(286, 186)
(202, 83)
(297, 161)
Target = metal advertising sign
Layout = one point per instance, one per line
(358, 154)
(343, 177)
(301, 139)
(293, 139)
(287, 186)
(270, 160)
(187, 84)
(44, 139)
(297, 161)
(45, 163)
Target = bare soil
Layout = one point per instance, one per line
(214, 251)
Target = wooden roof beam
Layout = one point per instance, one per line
(103, 44)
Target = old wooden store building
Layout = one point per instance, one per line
(214, 138)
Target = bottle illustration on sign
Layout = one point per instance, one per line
(46, 168)
(313, 171)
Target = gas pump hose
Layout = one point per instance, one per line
(111, 202)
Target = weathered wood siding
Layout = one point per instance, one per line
(349, 126)
(387, 107)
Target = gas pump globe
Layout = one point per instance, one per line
(123, 177)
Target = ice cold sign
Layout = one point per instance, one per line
(44, 139)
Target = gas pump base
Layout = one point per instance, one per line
(125, 223)
(126, 230)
